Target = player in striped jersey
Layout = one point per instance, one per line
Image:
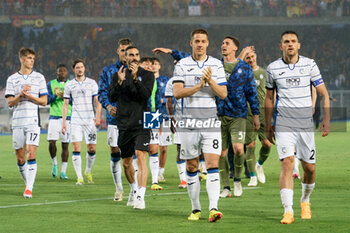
(25, 91)
(198, 79)
(173, 108)
(249, 56)
(83, 92)
(291, 76)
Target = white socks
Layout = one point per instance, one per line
(116, 172)
(193, 189)
(306, 192)
(90, 159)
(181, 168)
(161, 171)
(23, 171)
(76, 159)
(154, 166)
(287, 200)
(31, 173)
(54, 161)
(141, 192)
(213, 187)
(64, 167)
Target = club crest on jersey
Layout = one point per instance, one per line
(257, 82)
(284, 150)
(239, 70)
(139, 78)
(292, 82)
(302, 71)
(261, 76)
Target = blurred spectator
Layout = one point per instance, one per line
(161, 8)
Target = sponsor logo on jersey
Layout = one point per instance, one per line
(292, 82)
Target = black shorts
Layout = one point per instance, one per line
(131, 140)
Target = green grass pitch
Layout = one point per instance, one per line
(61, 206)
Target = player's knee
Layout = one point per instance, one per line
(52, 143)
(91, 149)
(212, 164)
(21, 161)
(191, 167)
(127, 163)
(115, 149)
(310, 169)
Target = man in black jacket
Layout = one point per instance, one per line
(131, 87)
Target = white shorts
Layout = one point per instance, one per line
(88, 131)
(301, 142)
(54, 131)
(25, 136)
(112, 135)
(177, 138)
(154, 136)
(165, 139)
(193, 143)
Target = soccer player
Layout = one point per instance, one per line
(153, 105)
(131, 88)
(25, 91)
(173, 108)
(249, 56)
(164, 136)
(55, 98)
(198, 79)
(233, 112)
(291, 76)
(111, 111)
(83, 91)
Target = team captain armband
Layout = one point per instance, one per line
(317, 82)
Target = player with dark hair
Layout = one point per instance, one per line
(111, 111)
(131, 88)
(55, 88)
(291, 76)
(83, 93)
(197, 80)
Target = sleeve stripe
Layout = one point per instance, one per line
(178, 81)
(269, 88)
(9, 95)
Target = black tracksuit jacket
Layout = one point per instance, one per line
(131, 97)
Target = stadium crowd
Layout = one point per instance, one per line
(174, 8)
(60, 43)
